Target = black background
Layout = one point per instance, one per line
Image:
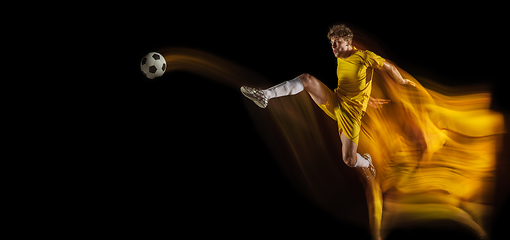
(183, 155)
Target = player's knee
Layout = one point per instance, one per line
(349, 159)
(306, 79)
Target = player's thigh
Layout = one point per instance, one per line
(317, 90)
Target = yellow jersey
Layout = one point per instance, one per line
(353, 86)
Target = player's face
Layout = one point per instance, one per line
(339, 46)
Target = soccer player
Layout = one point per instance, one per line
(350, 99)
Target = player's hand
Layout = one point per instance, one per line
(409, 83)
(377, 103)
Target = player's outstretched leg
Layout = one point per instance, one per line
(261, 97)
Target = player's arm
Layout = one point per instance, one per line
(395, 74)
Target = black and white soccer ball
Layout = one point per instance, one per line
(153, 65)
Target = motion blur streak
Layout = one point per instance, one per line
(208, 65)
(434, 151)
(436, 155)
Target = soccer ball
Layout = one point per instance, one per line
(153, 65)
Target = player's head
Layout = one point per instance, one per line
(340, 31)
(341, 39)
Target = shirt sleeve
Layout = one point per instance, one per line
(373, 60)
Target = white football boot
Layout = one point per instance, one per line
(370, 167)
(256, 95)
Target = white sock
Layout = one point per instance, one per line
(361, 161)
(286, 88)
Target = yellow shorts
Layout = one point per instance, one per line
(348, 116)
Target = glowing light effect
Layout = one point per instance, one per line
(436, 156)
(435, 153)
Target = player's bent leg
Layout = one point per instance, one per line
(349, 150)
(352, 158)
(315, 88)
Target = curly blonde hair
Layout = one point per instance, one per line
(340, 31)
